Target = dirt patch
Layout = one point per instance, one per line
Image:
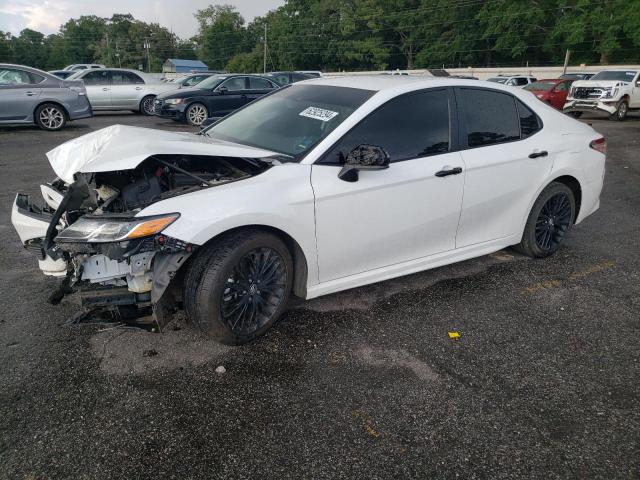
(391, 358)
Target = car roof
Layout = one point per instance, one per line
(552, 80)
(387, 82)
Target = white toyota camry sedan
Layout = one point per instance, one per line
(318, 187)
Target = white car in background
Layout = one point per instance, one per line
(318, 187)
(520, 81)
(121, 89)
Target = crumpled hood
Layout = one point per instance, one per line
(121, 147)
(597, 83)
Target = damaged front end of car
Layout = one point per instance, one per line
(94, 235)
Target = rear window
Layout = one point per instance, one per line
(497, 80)
(489, 117)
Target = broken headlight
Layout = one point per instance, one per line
(104, 230)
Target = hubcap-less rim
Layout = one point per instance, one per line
(147, 106)
(253, 291)
(622, 110)
(197, 114)
(553, 221)
(51, 117)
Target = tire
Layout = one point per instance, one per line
(146, 105)
(195, 114)
(549, 222)
(575, 114)
(220, 297)
(50, 116)
(621, 111)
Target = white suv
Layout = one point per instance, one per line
(513, 80)
(613, 92)
(318, 187)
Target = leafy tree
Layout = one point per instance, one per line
(220, 35)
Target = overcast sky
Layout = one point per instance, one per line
(46, 16)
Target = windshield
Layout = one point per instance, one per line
(540, 86)
(620, 75)
(498, 80)
(291, 120)
(211, 82)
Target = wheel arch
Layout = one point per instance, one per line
(42, 102)
(574, 185)
(300, 261)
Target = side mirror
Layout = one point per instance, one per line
(363, 157)
(222, 90)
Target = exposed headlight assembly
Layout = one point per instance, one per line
(173, 101)
(89, 229)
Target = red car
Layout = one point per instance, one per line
(554, 91)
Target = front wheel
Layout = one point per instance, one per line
(549, 221)
(238, 286)
(621, 112)
(195, 114)
(146, 105)
(50, 116)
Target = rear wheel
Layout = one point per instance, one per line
(238, 286)
(549, 221)
(146, 105)
(195, 114)
(621, 111)
(50, 116)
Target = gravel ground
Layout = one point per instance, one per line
(543, 382)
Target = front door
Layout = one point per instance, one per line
(98, 85)
(230, 95)
(395, 215)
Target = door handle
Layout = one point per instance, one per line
(446, 171)
(105, 89)
(30, 94)
(138, 88)
(543, 153)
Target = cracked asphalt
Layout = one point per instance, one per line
(542, 383)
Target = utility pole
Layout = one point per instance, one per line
(566, 61)
(264, 59)
(146, 47)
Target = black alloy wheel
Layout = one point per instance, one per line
(254, 291)
(553, 222)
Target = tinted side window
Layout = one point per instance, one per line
(235, 83)
(407, 127)
(97, 78)
(282, 79)
(257, 83)
(529, 123)
(490, 117)
(562, 87)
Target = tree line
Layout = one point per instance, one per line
(334, 35)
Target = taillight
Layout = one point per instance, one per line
(600, 145)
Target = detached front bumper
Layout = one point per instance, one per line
(599, 106)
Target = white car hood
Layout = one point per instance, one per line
(121, 147)
(596, 83)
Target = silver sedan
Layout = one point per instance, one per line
(121, 89)
(29, 95)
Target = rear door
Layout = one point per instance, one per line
(98, 85)
(506, 162)
(19, 92)
(126, 90)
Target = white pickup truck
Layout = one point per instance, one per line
(614, 92)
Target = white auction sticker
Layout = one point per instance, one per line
(318, 113)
